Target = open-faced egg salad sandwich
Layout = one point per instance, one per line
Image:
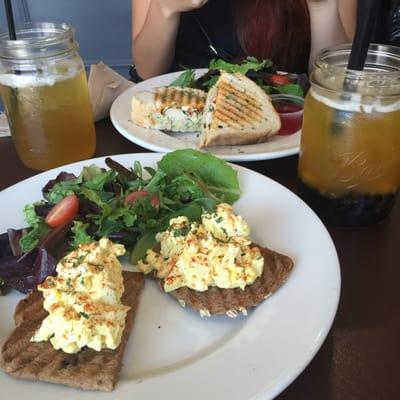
(213, 266)
(73, 329)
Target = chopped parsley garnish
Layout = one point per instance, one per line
(84, 315)
(181, 231)
(218, 220)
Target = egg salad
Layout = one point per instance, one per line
(214, 252)
(84, 300)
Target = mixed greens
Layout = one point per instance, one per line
(127, 205)
(263, 72)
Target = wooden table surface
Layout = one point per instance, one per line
(361, 356)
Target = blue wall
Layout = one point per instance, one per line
(103, 27)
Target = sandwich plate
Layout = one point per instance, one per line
(155, 140)
(172, 350)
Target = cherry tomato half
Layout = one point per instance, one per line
(279, 80)
(130, 198)
(64, 211)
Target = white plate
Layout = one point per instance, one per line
(155, 140)
(174, 353)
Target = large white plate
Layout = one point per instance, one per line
(174, 353)
(152, 139)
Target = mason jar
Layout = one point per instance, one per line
(349, 164)
(44, 91)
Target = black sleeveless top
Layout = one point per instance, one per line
(211, 26)
(206, 33)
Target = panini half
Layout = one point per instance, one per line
(237, 111)
(169, 108)
(87, 369)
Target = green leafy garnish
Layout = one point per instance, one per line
(39, 228)
(290, 88)
(79, 235)
(221, 180)
(250, 63)
(84, 315)
(185, 79)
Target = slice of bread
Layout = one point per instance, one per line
(232, 302)
(169, 108)
(237, 111)
(87, 369)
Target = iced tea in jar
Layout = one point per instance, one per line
(44, 91)
(349, 164)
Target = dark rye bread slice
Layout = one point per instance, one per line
(231, 302)
(88, 369)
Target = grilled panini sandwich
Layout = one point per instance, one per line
(88, 369)
(237, 111)
(232, 302)
(169, 108)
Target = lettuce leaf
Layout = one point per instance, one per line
(250, 63)
(212, 174)
(185, 79)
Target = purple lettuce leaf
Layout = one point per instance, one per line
(25, 272)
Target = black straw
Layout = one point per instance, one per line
(367, 11)
(10, 20)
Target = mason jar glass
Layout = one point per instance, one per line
(44, 91)
(349, 164)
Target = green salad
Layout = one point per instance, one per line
(130, 205)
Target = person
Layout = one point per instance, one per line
(170, 35)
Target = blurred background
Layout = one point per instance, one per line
(103, 27)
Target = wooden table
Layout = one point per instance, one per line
(361, 355)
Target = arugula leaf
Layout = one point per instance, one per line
(250, 63)
(216, 176)
(79, 235)
(185, 79)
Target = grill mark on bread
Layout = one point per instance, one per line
(173, 97)
(244, 96)
(87, 369)
(236, 108)
(231, 113)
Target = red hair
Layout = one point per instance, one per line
(275, 29)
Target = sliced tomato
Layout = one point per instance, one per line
(130, 198)
(64, 211)
(279, 80)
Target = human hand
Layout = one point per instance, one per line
(174, 7)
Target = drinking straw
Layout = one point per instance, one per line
(367, 11)
(10, 20)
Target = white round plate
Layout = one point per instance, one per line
(155, 140)
(172, 352)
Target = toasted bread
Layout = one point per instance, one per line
(216, 301)
(237, 111)
(88, 369)
(169, 108)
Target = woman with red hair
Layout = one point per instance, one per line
(169, 35)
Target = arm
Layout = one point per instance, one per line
(348, 16)
(155, 25)
(332, 22)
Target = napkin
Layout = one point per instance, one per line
(105, 85)
(4, 127)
